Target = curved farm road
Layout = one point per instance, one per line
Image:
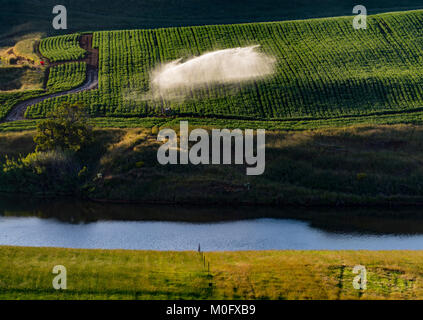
(18, 111)
(91, 82)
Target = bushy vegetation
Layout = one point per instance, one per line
(62, 48)
(359, 165)
(326, 69)
(23, 78)
(66, 129)
(115, 274)
(43, 173)
(353, 166)
(55, 166)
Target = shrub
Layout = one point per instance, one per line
(155, 130)
(67, 129)
(50, 171)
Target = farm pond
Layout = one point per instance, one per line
(85, 224)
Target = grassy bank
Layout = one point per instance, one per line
(404, 117)
(26, 273)
(359, 165)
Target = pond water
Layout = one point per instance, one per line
(72, 224)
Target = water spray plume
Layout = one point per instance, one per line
(226, 66)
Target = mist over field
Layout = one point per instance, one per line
(229, 66)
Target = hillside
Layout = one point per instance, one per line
(356, 166)
(325, 69)
(20, 17)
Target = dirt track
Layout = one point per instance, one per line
(91, 58)
(18, 111)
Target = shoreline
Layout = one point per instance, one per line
(376, 204)
(406, 220)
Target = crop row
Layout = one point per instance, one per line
(66, 76)
(62, 48)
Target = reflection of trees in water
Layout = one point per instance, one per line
(345, 220)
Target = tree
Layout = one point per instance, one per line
(65, 129)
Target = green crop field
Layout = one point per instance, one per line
(66, 76)
(325, 69)
(326, 72)
(62, 48)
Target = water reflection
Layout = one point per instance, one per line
(378, 221)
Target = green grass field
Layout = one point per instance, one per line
(26, 273)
